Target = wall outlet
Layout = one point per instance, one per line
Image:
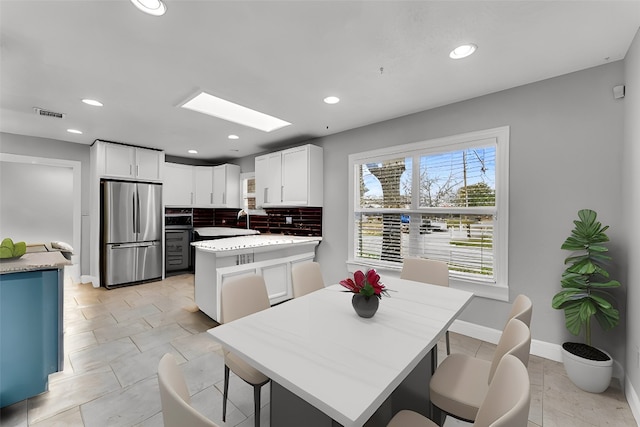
(637, 356)
(288, 220)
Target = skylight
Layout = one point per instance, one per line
(226, 110)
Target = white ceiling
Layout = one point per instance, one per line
(384, 59)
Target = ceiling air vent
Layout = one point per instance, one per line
(47, 113)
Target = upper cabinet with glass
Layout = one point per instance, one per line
(291, 177)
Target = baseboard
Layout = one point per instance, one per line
(632, 399)
(538, 348)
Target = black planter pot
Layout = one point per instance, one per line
(365, 306)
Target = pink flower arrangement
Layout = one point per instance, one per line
(365, 284)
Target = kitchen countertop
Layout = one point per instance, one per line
(223, 231)
(244, 243)
(34, 261)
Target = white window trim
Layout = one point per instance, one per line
(499, 290)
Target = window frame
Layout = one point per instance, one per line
(498, 136)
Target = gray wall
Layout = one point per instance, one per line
(37, 203)
(565, 154)
(55, 149)
(631, 187)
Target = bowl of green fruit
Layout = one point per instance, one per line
(10, 250)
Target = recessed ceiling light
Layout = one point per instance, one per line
(92, 102)
(152, 7)
(463, 51)
(332, 100)
(76, 131)
(192, 151)
(226, 110)
(233, 137)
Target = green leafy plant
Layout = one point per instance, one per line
(8, 249)
(585, 283)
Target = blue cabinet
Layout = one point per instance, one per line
(30, 332)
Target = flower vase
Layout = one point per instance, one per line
(365, 306)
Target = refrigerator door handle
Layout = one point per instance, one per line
(133, 213)
(137, 209)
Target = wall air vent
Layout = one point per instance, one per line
(47, 113)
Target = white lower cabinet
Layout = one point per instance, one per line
(213, 270)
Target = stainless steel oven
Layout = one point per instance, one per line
(178, 238)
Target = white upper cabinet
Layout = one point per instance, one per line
(291, 177)
(128, 162)
(178, 185)
(202, 186)
(226, 186)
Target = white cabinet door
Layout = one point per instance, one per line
(261, 179)
(295, 176)
(125, 161)
(269, 179)
(276, 278)
(178, 185)
(119, 160)
(226, 186)
(148, 164)
(203, 186)
(291, 177)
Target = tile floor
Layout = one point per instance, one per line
(115, 339)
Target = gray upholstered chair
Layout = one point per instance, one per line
(460, 384)
(174, 396)
(427, 271)
(238, 298)
(506, 403)
(306, 277)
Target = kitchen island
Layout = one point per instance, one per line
(269, 255)
(31, 341)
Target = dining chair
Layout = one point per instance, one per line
(238, 298)
(521, 309)
(505, 405)
(461, 382)
(427, 271)
(306, 277)
(174, 397)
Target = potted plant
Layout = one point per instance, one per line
(367, 292)
(585, 295)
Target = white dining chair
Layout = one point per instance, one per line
(461, 382)
(506, 403)
(306, 277)
(238, 298)
(174, 397)
(521, 309)
(426, 270)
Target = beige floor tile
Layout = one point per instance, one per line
(158, 336)
(124, 407)
(114, 340)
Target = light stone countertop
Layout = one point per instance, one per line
(223, 231)
(248, 243)
(34, 261)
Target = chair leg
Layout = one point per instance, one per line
(225, 393)
(448, 347)
(256, 404)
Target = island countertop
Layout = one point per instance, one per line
(252, 243)
(34, 261)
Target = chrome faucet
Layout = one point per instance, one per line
(242, 213)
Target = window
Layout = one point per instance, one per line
(442, 199)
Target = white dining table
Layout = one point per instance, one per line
(329, 366)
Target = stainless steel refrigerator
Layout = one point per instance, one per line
(131, 232)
